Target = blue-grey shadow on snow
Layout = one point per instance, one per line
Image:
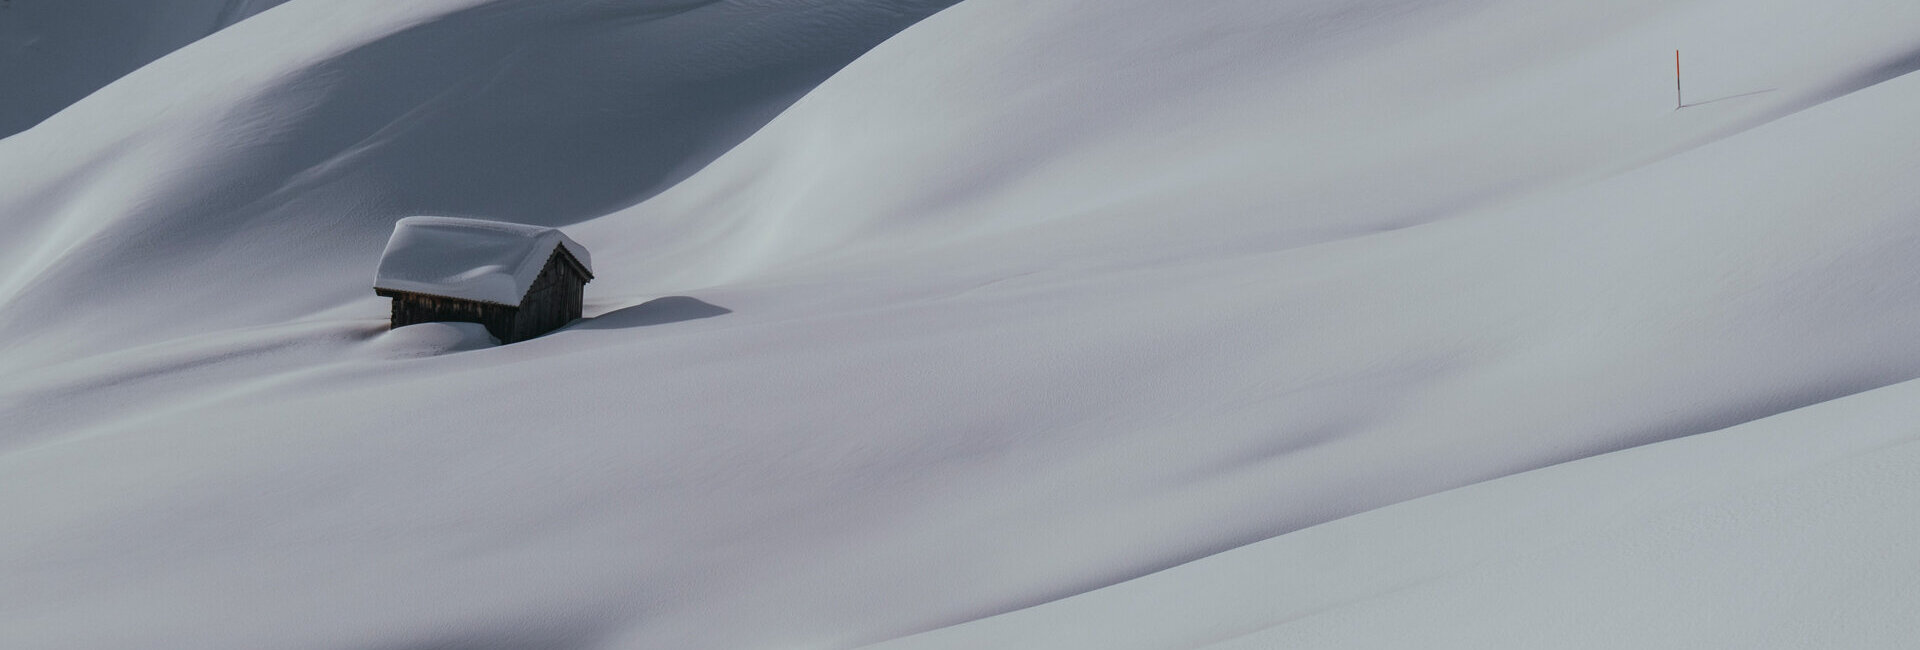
(557, 111)
(1722, 99)
(659, 311)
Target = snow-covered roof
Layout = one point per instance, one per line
(470, 259)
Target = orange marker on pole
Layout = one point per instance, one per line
(1678, 101)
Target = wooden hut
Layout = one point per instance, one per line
(519, 281)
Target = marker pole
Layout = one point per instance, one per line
(1678, 101)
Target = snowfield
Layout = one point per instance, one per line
(55, 52)
(1004, 324)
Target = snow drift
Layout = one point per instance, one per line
(53, 52)
(1034, 298)
(1777, 533)
(323, 122)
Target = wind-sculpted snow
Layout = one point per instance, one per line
(324, 120)
(1035, 298)
(1777, 533)
(53, 52)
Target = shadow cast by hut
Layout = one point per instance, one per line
(659, 311)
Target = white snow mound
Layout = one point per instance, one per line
(430, 339)
(470, 259)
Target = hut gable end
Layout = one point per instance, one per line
(554, 299)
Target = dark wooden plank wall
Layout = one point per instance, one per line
(411, 308)
(554, 299)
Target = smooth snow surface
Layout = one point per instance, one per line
(323, 121)
(1793, 531)
(53, 52)
(1040, 324)
(470, 259)
(429, 339)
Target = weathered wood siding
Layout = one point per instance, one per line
(554, 299)
(412, 308)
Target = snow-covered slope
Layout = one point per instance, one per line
(1794, 531)
(275, 155)
(1038, 296)
(53, 52)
